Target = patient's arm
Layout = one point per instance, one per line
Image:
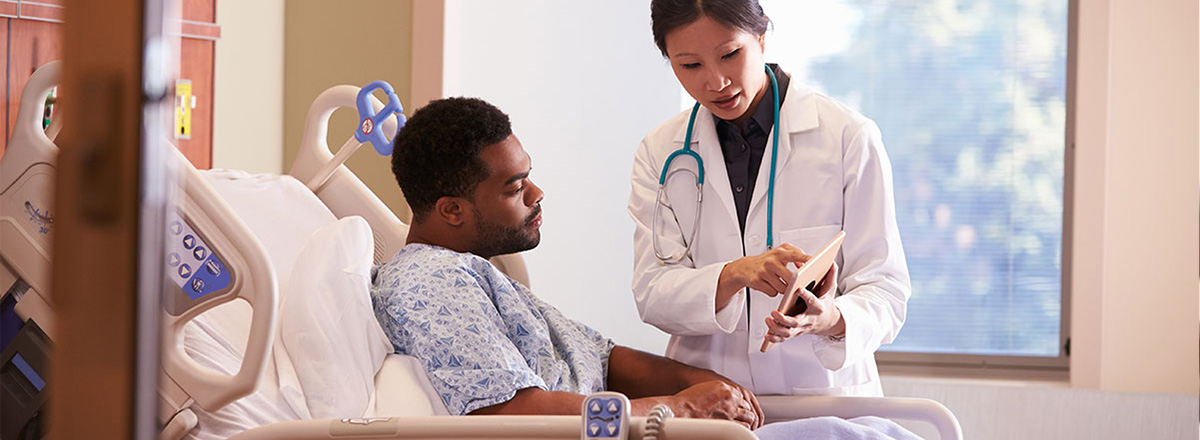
(708, 400)
(640, 374)
(536, 401)
(648, 380)
(692, 392)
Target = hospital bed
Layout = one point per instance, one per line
(278, 339)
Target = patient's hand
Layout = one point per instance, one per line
(717, 399)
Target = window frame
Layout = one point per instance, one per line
(991, 366)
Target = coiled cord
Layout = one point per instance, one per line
(654, 421)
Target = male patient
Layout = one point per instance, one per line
(489, 345)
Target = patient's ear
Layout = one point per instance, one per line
(452, 210)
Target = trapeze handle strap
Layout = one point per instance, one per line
(371, 123)
(687, 150)
(774, 152)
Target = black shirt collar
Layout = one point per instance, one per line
(764, 116)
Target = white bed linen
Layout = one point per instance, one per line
(403, 389)
(327, 326)
(280, 210)
(207, 343)
(218, 338)
(323, 365)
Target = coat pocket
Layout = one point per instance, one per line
(809, 239)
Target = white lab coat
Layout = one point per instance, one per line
(832, 175)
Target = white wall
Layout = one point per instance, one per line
(582, 82)
(248, 86)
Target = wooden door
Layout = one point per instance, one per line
(197, 51)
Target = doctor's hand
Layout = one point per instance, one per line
(718, 399)
(767, 272)
(822, 317)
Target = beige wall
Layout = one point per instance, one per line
(346, 42)
(1135, 298)
(248, 83)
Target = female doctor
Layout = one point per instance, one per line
(781, 176)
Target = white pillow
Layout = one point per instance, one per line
(402, 389)
(327, 326)
(259, 199)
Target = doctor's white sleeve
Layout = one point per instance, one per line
(679, 299)
(874, 275)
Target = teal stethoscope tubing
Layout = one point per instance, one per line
(687, 151)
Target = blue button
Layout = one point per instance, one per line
(614, 406)
(200, 253)
(189, 241)
(173, 259)
(213, 267)
(185, 271)
(594, 407)
(612, 429)
(198, 285)
(594, 429)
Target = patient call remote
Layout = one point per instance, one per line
(605, 416)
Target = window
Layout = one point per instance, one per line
(971, 98)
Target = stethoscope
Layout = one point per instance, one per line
(687, 151)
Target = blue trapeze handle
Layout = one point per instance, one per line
(370, 123)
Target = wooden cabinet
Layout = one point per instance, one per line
(31, 32)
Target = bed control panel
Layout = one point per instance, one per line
(194, 271)
(605, 416)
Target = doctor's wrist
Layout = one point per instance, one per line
(728, 286)
(837, 331)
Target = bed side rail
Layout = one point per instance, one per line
(212, 258)
(485, 427)
(781, 408)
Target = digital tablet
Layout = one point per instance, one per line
(807, 277)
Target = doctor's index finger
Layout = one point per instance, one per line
(790, 254)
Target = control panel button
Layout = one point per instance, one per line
(213, 266)
(173, 259)
(200, 253)
(198, 285)
(189, 241)
(185, 271)
(176, 227)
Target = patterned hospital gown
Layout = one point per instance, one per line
(481, 335)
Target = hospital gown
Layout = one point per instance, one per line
(481, 335)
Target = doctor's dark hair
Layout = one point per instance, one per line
(437, 153)
(668, 15)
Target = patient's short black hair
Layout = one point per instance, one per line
(436, 154)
